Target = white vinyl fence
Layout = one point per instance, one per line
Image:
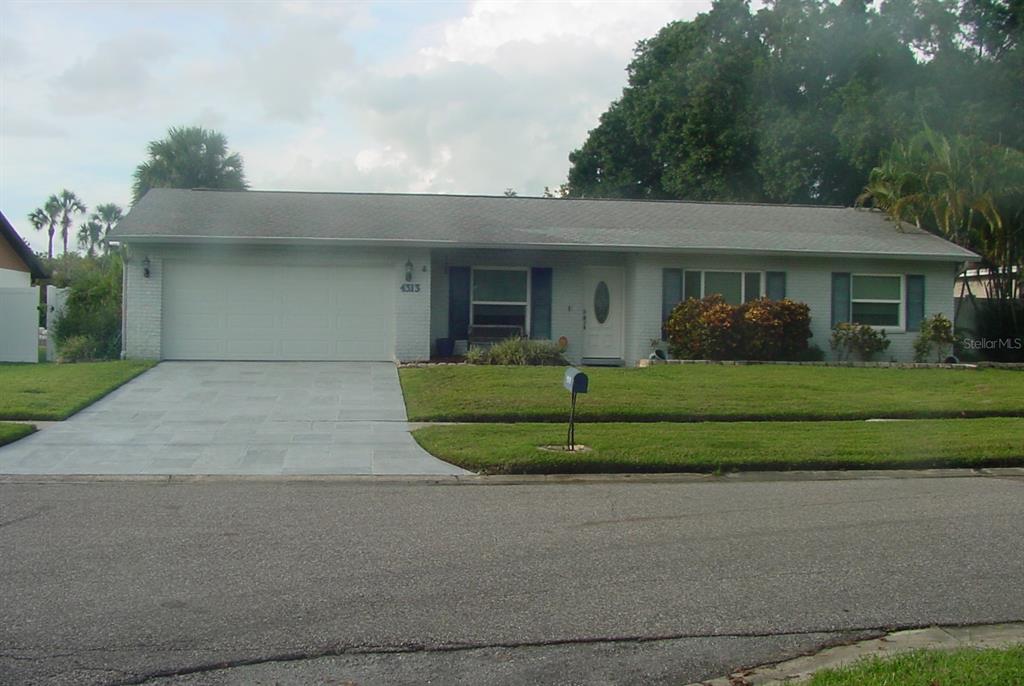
(56, 298)
(19, 324)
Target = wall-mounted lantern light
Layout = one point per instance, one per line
(408, 270)
(145, 266)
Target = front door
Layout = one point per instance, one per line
(602, 313)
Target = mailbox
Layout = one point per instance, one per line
(575, 381)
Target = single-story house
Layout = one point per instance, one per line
(261, 275)
(19, 299)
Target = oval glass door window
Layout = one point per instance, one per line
(602, 300)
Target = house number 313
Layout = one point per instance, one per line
(410, 288)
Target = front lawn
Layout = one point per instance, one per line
(965, 667)
(12, 432)
(728, 446)
(57, 391)
(710, 392)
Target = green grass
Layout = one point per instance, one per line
(12, 432)
(57, 391)
(710, 392)
(965, 667)
(729, 446)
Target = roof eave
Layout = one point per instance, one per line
(964, 256)
(35, 267)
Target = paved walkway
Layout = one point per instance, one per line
(247, 418)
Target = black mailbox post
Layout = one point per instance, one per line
(575, 382)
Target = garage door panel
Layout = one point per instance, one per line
(313, 325)
(308, 349)
(248, 311)
(252, 348)
(253, 322)
(200, 348)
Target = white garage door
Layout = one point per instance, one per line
(218, 311)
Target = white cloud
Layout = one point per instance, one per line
(118, 73)
(314, 95)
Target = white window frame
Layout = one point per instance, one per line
(473, 302)
(901, 303)
(743, 280)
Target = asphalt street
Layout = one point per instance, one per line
(353, 582)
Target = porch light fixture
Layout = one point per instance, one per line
(145, 266)
(408, 270)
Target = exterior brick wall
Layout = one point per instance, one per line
(143, 306)
(412, 310)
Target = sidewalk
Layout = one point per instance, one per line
(941, 638)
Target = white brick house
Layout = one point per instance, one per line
(363, 276)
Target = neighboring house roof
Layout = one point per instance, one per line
(503, 222)
(35, 267)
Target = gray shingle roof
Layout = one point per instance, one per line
(485, 221)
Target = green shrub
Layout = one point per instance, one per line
(77, 349)
(774, 329)
(935, 339)
(761, 329)
(93, 309)
(857, 339)
(517, 351)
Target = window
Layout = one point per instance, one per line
(734, 287)
(500, 297)
(876, 300)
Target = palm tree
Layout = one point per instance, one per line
(46, 217)
(967, 191)
(190, 157)
(90, 236)
(107, 216)
(68, 205)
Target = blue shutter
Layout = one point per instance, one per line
(915, 301)
(775, 285)
(840, 297)
(458, 303)
(540, 303)
(671, 293)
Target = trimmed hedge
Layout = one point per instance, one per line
(760, 329)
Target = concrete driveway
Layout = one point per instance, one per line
(245, 418)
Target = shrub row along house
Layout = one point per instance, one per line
(257, 275)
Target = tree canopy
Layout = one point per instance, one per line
(189, 157)
(796, 102)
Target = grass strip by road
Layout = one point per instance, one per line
(730, 446)
(12, 432)
(966, 667)
(710, 393)
(57, 391)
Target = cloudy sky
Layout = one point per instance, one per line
(453, 97)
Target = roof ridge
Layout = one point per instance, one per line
(667, 201)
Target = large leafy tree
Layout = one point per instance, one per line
(795, 102)
(189, 157)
